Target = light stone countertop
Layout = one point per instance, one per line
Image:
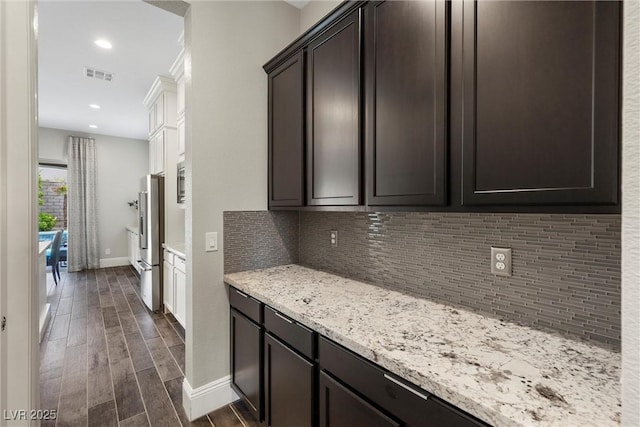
(176, 248)
(43, 246)
(503, 373)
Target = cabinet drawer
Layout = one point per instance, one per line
(408, 403)
(296, 335)
(245, 304)
(179, 263)
(168, 256)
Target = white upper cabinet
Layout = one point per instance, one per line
(162, 106)
(177, 71)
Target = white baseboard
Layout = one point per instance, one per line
(114, 262)
(207, 398)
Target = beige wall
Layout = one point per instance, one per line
(314, 11)
(227, 43)
(631, 216)
(121, 164)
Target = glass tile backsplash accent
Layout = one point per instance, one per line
(259, 239)
(566, 268)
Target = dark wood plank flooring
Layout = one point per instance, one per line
(106, 360)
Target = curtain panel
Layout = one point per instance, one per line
(83, 252)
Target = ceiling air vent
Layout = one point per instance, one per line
(98, 74)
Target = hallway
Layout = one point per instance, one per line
(107, 361)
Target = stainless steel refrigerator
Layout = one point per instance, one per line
(151, 232)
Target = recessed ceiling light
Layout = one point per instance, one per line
(93, 126)
(105, 44)
(94, 106)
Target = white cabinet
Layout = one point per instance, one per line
(180, 281)
(156, 153)
(181, 137)
(177, 71)
(162, 106)
(168, 290)
(174, 286)
(133, 250)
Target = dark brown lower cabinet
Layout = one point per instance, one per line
(340, 407)
(289, 385)
(246, 358)
(291, 377)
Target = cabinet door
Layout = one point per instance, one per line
(406, 93)
(159, 108)
(181, 137)
(152, 155)
(333, 115)
(340, 407)
(181, 96)
(159, 146)
(180, 296)
(286, 134)
(168, 290)
(288, 386)
(152, 119)
(540, 102)
(129, 248)
(246, 366)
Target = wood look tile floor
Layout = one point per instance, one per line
(106, 360)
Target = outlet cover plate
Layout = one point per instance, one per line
(334, 238)
(501, 261)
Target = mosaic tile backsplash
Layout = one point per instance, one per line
(259, 239)
(566, 268)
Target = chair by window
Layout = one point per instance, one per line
(54, 259)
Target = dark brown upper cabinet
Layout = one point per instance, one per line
(286, 133)
(333, 115)
(540, 103)
(406, 102)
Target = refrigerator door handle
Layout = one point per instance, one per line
(144, 266)
(142, 206)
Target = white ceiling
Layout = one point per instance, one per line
(145, 44)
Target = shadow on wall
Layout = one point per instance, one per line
(260, 239)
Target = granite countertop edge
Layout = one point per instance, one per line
(445, 386)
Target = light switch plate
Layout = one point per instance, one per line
(211, 241)
(501, 261)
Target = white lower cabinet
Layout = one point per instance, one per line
(169, 288)
(181, 296)
(133, 251)
(174, 287)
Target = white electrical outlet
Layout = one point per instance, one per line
(501, 261)
(107, 251)
(211, 241)
(334, 238)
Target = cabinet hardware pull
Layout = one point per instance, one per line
(241, 294)
(282, 317)
(406, 387)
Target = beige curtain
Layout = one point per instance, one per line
(82, 205)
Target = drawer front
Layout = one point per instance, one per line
(169, 257)
(245, 304)
(296, 335)
(408, 403)
(179, 263)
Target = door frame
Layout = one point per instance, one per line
(19, 349)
